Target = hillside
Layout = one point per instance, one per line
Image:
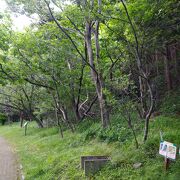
(44, 155)
(86, 77)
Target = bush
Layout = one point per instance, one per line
(151, 147)
(91, 131)
(118, 131)
(171, 104)
(3, 118)
(115, 133)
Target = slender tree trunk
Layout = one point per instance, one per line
(167, 69)
(148, 115)
(133, 131)
(156, 63)
(58, 122)
(176, 63)
(74, 100)
(21, 119)
(31, 115)
(143, 74)
(97, 79)
(60, 107)
(142, 97)
(97, 76)
(9, 119)
(157, 58)
(104, 111)
(76, 109)
(21, 122)
(66, 119)
(76, 103)
(38, 121)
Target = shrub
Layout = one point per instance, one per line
(114, 133)
(171, 103)
(91, 132)
(3, 118)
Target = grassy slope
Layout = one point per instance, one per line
(44, 155)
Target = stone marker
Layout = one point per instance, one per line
(92, 164)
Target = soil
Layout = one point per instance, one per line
(8, 162)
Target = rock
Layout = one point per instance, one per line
(137, 165)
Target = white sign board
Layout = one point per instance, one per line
(25, 124)
(167, 150)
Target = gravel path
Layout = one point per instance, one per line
(8, 163)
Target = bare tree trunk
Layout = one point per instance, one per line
(97, 79)
(60, 107)
(148, 115)
(143, 74)
(75, 106)
(58, 122)
(142, 97)
(38, 121)
(74, 100)
(66, 119)
(97, 75)
(21, 119)
(21, 122)
(9, 119)
(129, 120)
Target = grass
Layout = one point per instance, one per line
(44, 155)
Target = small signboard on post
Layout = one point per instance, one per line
(25, 126)
(168, 150)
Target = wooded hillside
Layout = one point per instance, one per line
(89, 60)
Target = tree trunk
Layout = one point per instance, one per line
(148, 115)
(167, 69)
(156, 63)
(9, 119)
(142, 74)
(21, 119)
(142, 98)
(38, 121)
(97, 79)
(66, 119)
(58, 122)
(176, 63)
(76, 110)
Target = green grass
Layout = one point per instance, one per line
(44, 155)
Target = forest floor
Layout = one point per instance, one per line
(8, 162)
(45, 155)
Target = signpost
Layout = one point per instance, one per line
(168, 150)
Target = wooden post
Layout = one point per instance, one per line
(25, 129)
(167, 162)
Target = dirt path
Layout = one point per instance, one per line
(8, 163)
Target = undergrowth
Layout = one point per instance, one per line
(45, 155)
(170, 105)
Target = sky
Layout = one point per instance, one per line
(20, 21)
